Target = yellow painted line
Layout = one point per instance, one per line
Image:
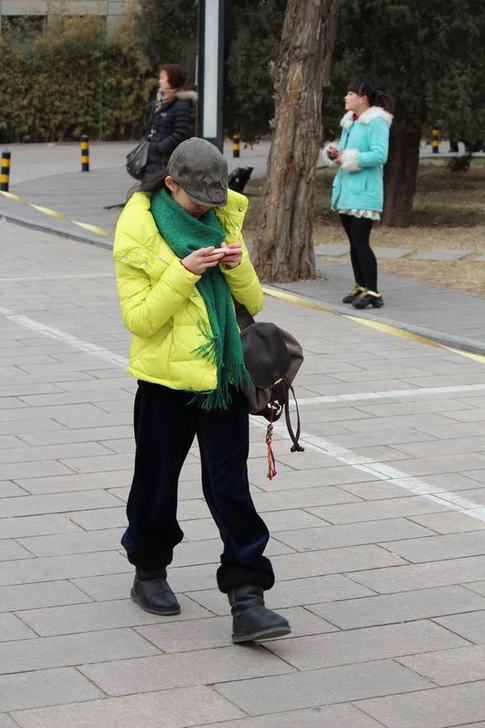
(93, 228)
(58, 215)
(299, 301)
(469, 354)
(376, 325)
(393, 330)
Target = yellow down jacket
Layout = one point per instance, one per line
(160, 303)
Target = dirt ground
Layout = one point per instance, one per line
(449, 212)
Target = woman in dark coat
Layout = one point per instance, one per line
(170, 117)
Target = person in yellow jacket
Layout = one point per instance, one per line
(180, 262)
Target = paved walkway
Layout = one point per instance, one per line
(95, 198)
(378, 528)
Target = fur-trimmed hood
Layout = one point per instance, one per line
(373, 112)
(184, 95)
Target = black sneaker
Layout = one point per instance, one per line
(368, 298)
(355, 291)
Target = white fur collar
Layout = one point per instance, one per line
(373, 112)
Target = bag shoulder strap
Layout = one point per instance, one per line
(244, 318)
(295, 436)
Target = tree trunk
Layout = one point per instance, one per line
(284, 244)
(401, 172)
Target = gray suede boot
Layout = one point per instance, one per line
(252, 621)
(152, 593)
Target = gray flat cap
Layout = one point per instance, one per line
(201, 170)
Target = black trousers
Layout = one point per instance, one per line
(364, 263)
(165, 427)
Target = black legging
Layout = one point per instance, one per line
(364, 263)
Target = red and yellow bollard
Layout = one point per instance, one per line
(5, 172)
(84, 153)
(236, 144)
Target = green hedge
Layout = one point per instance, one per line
(71, 80)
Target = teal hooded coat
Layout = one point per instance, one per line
(358, 184)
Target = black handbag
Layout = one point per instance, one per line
(136, 160)
(273, 358)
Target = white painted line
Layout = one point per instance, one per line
(381, 471)
(391, 394)
(66, 338)
(386, 472)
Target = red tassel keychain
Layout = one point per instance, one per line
(269, 444)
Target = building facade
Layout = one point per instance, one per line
(40, 12)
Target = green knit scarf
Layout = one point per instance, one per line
(222, 342)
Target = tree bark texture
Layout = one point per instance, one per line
(402, 169)
(284, 244)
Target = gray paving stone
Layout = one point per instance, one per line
(390, 253)
(324, 537)
(45, 687)
(453, 522)
(438, 708)
(74, 543)
(442, 254)
(439, 464)
(361, 645)
(301, 498)
(278, 521)
(306, 591)
(437, 548)
(9, 489)
(343, 716)
(84, 435)
(216, 631)
(320, 687)
(51, 452)
(11, 628)
(13, 427)
(36, 525)
(118, 585)
(442, 447)
(478, 587)
(69, 619)
(478, 475)
(461, 429)
(101, 463)
(65, 483)
(471, 626)
(179, 708)
(319, 563)
(419, 604)
(61, 567)
(68, 650)
(10, 550)
(13, 471)
(403, 487)
(285, 480)
(40, 594)
(449, 667)
(382, 509)
(100, 518)
(184, 670)
(57, 503)
(331, 249)
(6, 722)
(422, 576)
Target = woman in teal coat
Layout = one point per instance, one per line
(357, 192)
